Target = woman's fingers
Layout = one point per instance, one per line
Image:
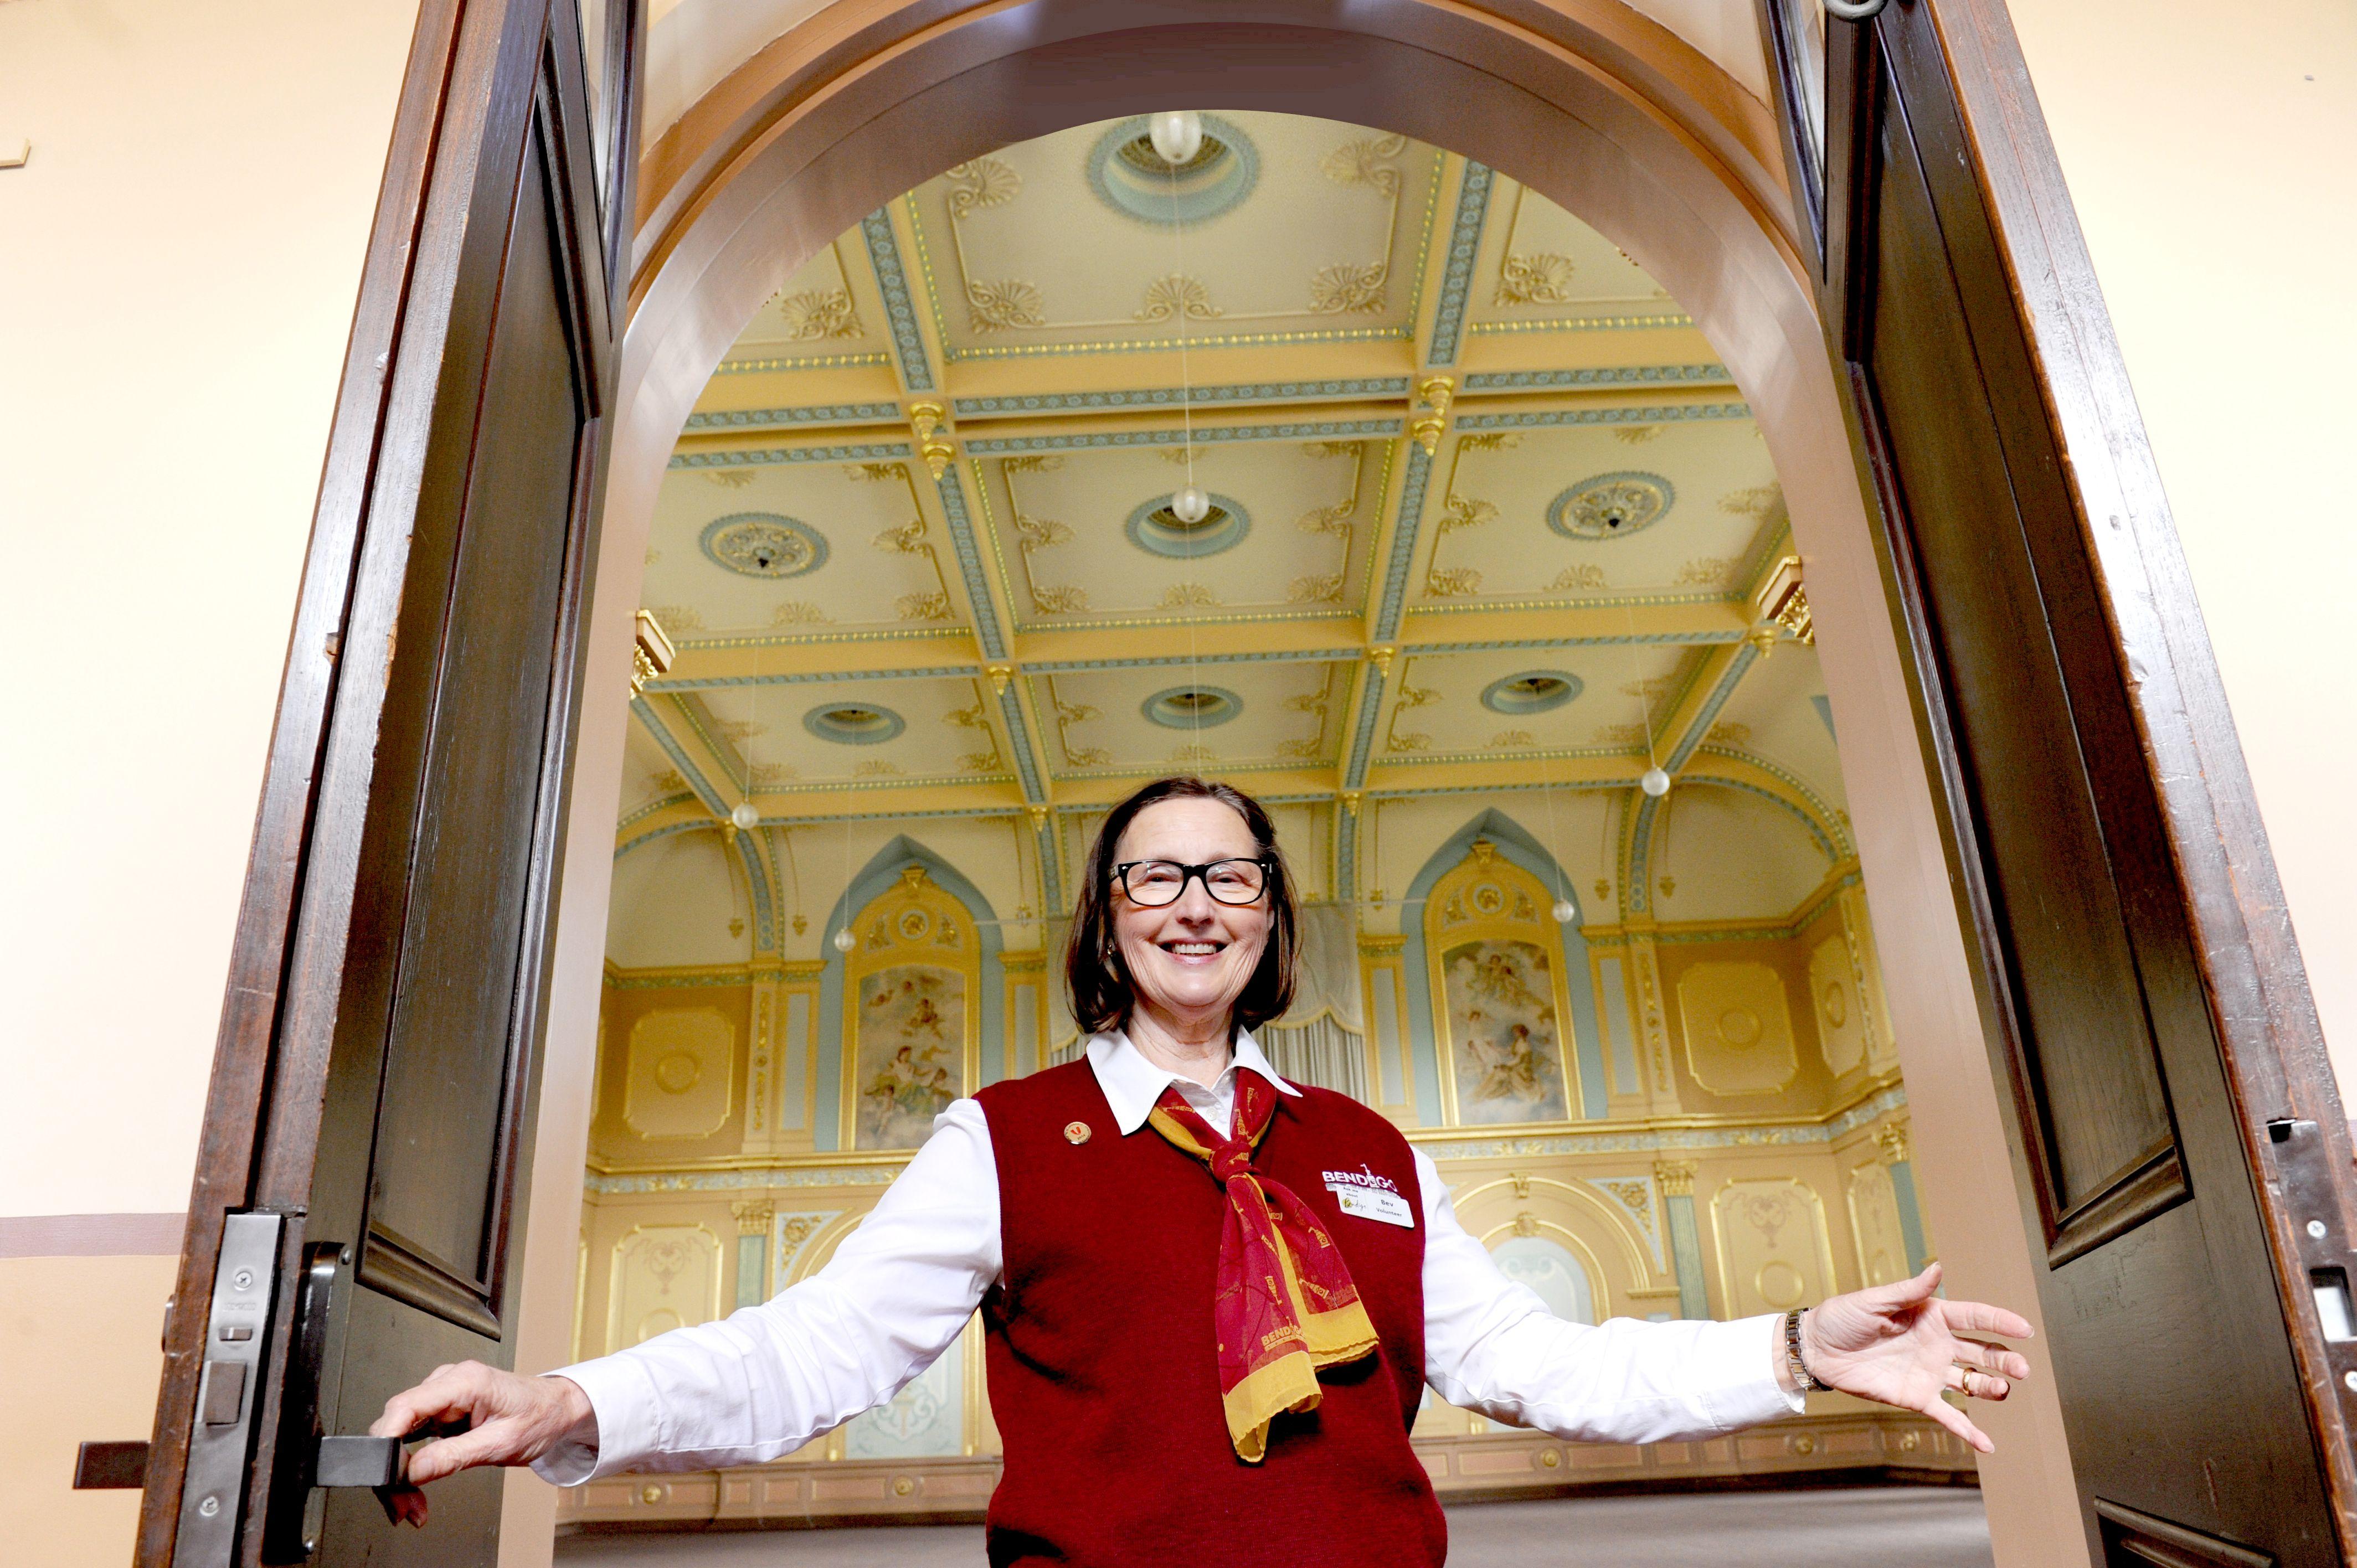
(2002, 1360)
(1980, 1318)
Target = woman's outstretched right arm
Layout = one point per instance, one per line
(762, 1382)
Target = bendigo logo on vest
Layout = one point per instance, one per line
(1370, 1197)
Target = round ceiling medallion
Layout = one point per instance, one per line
(763, 544)
(1612, 506)
(1159, 531)
(1130, 177)
(1532, 691)
(854, 724)
(1193, 708)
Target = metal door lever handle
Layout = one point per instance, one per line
(361, 1462)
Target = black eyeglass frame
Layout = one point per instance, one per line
(1198, 873)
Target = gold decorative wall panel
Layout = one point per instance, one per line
(1772, 1250)
(664, 1277)
(681, 1082)
(1739, 1032)
(1841, 1012)
(1874, 1222)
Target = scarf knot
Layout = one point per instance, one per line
(1285, 1304)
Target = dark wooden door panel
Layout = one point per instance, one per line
(2176, 1336)
(2105, 1149)
(445, 1134)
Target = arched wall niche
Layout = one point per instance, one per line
(1591, 104)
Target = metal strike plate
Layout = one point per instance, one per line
(361, 1462)
(111, 1467)
(221, 1437)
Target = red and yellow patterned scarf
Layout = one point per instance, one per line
(1286, 1303)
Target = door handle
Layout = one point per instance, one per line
(361, 1462)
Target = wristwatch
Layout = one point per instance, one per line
(1801, 1374)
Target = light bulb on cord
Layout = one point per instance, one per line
(844, 942)
(1176, 135)
(1655, 782)
(1190, 505)
(1564, 911)
(745, 816)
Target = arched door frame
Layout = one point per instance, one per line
(1586, 102)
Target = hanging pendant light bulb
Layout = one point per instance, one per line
(1655, 782)
(1176, 135)
(1564, 911)
(1190, 505)
(844, 942)
(746, 816)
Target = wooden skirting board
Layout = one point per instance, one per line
(1861, 1447)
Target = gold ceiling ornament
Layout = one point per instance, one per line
(729, 478)
(1758, 500)
(794, 612)
(924, 607)
(1351, 798)
(1464, 511)
(1382, 654)
(1704, 572)
(1506, 739)
(1000, 674)
(1004, 305)
(818, 313)
(874, 473)
(650, 652)
(1526, 1224)
(1075, 713)
(1317, 588)
(1489, 441)
(1898, 1145)
(1348, 288)
(1631, 736)
(753, 1215)
(968, 718)
(1037, 812)
(1179, 595)
(1333, 448)
(980, 761)
(927, 422)
(1368, 162)
(1413, 740)
(908, 539)
(1060, 600)
(1031, 463)
(1039, 532)
(1676, 1177)
(1542, 277)
(876, 770)
(1194, 756)
(1604, 890)
(1635, 434)
(679, 617)
(979, 183)
(1574, 578)
(1314, 702)
(1307, 750)
(1782, 603)
(1729, 735)
(1434, 392)
(1176, 299)
(1451, 582)
(1669, 887)
(1415, 696)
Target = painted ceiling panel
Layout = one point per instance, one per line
(1441, 709)
(838, 731)
(1218, 715)
(1088, 534)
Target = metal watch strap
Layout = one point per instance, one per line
(1801, 1375)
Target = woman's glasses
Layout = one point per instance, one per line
(1156, 883)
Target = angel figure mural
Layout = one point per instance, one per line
(1501, 1018)
(911, 1034)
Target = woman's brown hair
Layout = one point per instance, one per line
(1094, 971)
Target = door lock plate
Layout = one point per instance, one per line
(221, 1438)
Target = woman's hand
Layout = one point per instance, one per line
(506, 1420)
(1903, 1346)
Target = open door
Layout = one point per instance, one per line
(353, 1219)
(2179, 1144)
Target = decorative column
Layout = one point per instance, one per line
(1857, 933)
(1677, 1178)
(753, 1217)
(1652, 1021)
(1898, 1150)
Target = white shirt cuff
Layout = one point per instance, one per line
(624, 1400)
(1734, 1368)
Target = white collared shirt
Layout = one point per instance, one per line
(759, 1383)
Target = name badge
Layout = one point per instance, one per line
(1368, 1203)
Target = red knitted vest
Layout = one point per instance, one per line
(1104, 1365)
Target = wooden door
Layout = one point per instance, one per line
(2181, 1147)
(353, 1222)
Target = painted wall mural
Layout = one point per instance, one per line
(1501, 1018)
(1499, 993)
(911, 1043)
(912, 1031)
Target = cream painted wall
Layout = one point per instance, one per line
(183, 254)
(183, 251)
(2209, 156)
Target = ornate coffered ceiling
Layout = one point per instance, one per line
(1487, 516)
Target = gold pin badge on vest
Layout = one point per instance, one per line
(1076, 1132)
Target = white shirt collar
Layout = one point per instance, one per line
(1132, 1084)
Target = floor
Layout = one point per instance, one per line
(1921, 1527)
